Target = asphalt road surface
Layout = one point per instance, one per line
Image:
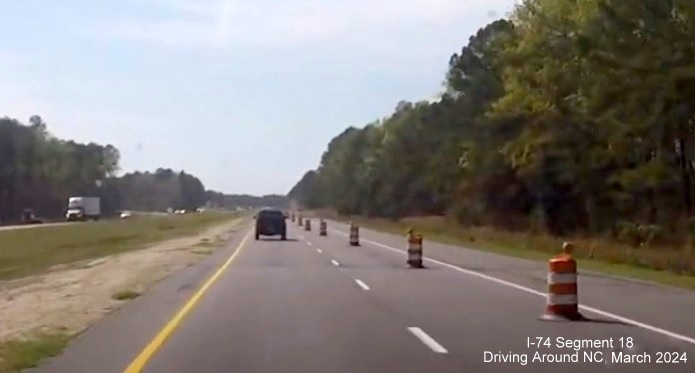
(44, 225)
(314, 304)
(29, 226)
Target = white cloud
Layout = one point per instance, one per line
(228, 23)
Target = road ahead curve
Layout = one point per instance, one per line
(314, 304)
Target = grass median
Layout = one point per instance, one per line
(18, 355)
(25, 252)
(663, 265)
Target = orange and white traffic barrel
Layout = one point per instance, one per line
(562, 300)
(414, 249)
(322, 228)
(307, 225)
(354, 234)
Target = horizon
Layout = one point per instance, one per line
(243, 95)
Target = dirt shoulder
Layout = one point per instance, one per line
(71, 297)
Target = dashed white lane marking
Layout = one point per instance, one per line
(335, 263)
(309, 243)
(361, 284)
(427, 340)
(496, 280)
(319, 251)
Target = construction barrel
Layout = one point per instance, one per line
(414, 249)
(562, 301)
(322, 228)
(354, 234)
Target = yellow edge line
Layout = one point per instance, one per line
(141, 360)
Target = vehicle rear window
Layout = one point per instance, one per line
(271, 214)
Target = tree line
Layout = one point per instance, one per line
(40, 171)
(247, 200)
(566, 116)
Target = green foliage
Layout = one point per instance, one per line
(19, 355)
(230, 201)
(125, 295)
(637, 235)
(570, 116)
(41, 172)
(158, 191)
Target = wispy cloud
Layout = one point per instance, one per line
(229, 23)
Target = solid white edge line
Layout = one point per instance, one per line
(361, 284)
(597, 311)
(335, 262)
(427, 340)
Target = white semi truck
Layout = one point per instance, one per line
(83, 208)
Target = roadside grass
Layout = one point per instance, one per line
(205, 242)
(203, 251)
(18, 355)
(24, 252)
(125, 295)
(663, 265)
(207, 246)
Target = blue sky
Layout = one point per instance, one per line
(243, 94)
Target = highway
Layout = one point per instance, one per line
(315, 304)
(58, 224)
(30, 226)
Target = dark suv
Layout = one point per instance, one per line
(271, 222)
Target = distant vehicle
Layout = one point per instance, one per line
(271, 222)
(126, 215)
(29, 218)
(180, 212)
(83, 208)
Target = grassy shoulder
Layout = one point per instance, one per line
(661, 265)
(18, 355)
(125, 295)
(25, 252)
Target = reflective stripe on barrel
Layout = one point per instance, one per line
(415, 243)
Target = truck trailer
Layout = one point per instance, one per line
(83, 209)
